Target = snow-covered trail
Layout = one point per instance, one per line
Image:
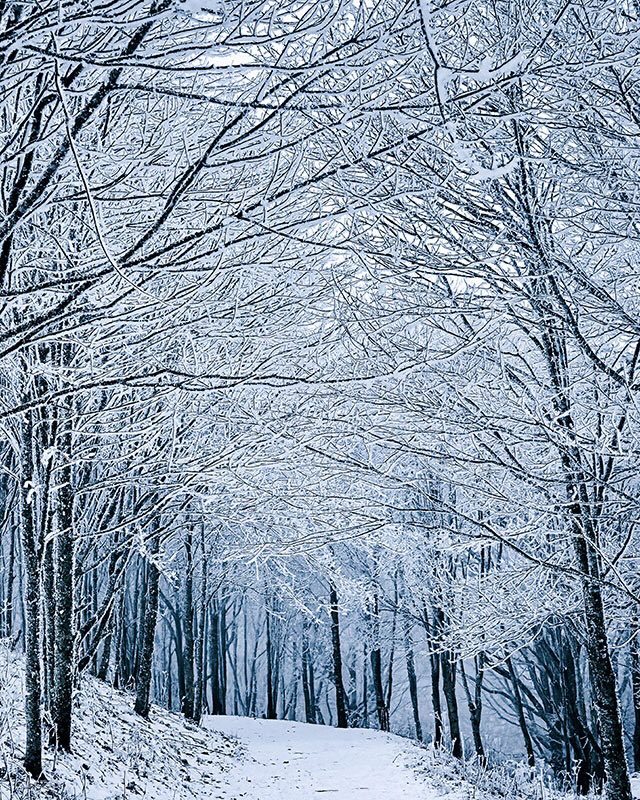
(294, 761)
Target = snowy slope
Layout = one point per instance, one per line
(118, 756)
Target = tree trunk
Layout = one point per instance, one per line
(341, 701)
(603, 681)
(48, 623)
(522, 722)
(583, 519)
(64, 574)
(222, 661)
(8, 626)
(449, 688)
(602, 675)
(411, 677)
(30, 548)
(382, 709)
(474, 704)
(187, 700)
(635, 688)
(436, 705)
(200, 640)
(434, 660)
(143, 678)
(214, 656)
(271, 684)
(307, 677)
(365, 686)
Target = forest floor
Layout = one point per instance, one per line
(118, 756)
(294, 761)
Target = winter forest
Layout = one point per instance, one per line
(319, 363)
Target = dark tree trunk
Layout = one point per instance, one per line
(200, 639)
(603, 680)
(602, 674)
(169, 674)
(382, 710)
(187, 629)
(474, 703)
(291, 709)
(138, 610)
(308, 690)
(47, 437)
(118, 679)
(448, 672)
(411, 677)
(449, 688)
(365, 686)
(392, 649)
(30, 548)
(583, 518)
(436, 705)
(519, 708)
(8, 625)
(381, 707)
(64, 573)
(272, 701)
(48, 629)
(179, 650)
(214, 655)
(430, 626)
(635, 687)
(223, 649)
(143, 678)
(341, 698)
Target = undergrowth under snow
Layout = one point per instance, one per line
(118, 756)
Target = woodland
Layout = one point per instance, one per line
(319, 344)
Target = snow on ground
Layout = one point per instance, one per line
(289, 760)
(118, 756)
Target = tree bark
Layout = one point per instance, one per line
(187, 700)
(63, 577)
(635, 688)
(341, 697)
(474, 704)
(200, 640)
(449, 689)
(223, 651)
(8, 625)
(602, 674)
(411, 677)
(448, 668)
(272, 712)
(519, 707)
(382, 710)
(308, 689)
(605, 693)
(582, 516)
(381, 706)
(31, 550)
(436, 705)
(143, 678)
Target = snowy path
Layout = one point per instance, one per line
(294, 761)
